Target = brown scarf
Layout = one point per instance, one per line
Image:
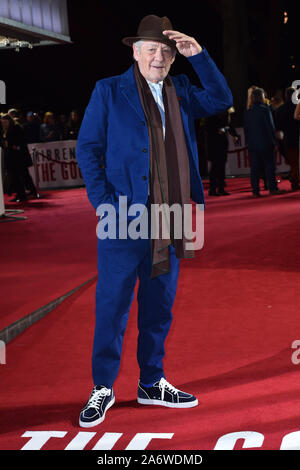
(169, 167)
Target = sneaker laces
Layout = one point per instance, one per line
(97, 396)
(163, 385)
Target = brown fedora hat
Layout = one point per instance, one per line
(151, 27)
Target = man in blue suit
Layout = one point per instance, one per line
(137, 140)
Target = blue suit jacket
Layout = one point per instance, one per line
(113, 142)
(259, 128)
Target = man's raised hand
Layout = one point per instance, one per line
(186, 45)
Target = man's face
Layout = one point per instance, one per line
(154, 60)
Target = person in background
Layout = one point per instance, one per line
(62, 126)
(73, 126)
(49, 130)
(250, 96)
(31, 128)
(286, 123)
(261, 139)
(297, 112)
(16, 116)
(249, 104)
(218, 127)
(277, 100)
(12, 140)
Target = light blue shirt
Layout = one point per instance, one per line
(156, 89)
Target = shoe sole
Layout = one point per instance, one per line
(84, 424)
(145, 401)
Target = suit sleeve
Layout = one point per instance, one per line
(90, 148)
(215, 96)
(246, 128)
(271, 127)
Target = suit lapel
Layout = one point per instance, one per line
(130, 91)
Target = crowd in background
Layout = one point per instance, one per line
(47, 127)
(16, 131)
(269, 124)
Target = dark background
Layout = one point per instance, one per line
(247, 39)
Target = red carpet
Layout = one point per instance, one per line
(236, 316)
(46, 255)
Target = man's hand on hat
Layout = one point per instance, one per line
(186, 45)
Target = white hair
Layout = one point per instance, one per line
(138, 44)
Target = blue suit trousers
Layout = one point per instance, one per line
(120, 264)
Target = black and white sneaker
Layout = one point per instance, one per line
(164, 394)
(93, 412)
